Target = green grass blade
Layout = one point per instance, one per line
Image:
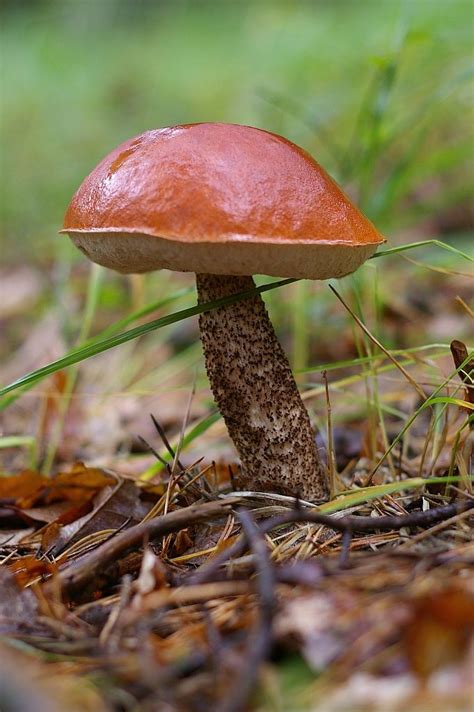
(366, 494)
(98, 347)
(422, 243)
(447, 400)
(6, 402)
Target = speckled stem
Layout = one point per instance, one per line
(257, 395)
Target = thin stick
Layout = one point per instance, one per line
(345, 549)
(459, 516)
(330, 441)
(183, 430)
(260, 638)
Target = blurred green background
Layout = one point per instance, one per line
(378, 91)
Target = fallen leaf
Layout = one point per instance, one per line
(14, 517)
(438, 633)
(111, 508)
(23, 485)
(81, 483)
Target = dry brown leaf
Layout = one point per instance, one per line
(80, 484)
(48, 513)
(13, 517)
(181, 543)
(439, 631)
(30, 488)
(21, 486)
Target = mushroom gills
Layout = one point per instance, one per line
(256, 393)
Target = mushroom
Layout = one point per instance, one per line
(227, 202)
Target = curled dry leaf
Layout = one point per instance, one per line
(79, 484)
(152, 576)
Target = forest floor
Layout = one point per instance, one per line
(143, 580)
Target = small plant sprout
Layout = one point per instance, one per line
(227, 202)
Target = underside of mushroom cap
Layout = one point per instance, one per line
(130, 253)
(218, 199)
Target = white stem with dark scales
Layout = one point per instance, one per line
(257, 395)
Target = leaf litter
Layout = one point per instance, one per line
(185, 610)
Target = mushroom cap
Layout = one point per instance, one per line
(218, 199)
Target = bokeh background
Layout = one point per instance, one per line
(379, 91)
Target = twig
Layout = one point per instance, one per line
(183, 430)
(459, 516)
(110, 627)
(185, 595)
(345, 548)
(260, 637)
(79, 574)
(349, 523)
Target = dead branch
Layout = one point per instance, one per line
(349, 524)
(77, 575)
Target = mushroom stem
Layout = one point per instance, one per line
(256, 393)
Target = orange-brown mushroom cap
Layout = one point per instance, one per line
(218, 199)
